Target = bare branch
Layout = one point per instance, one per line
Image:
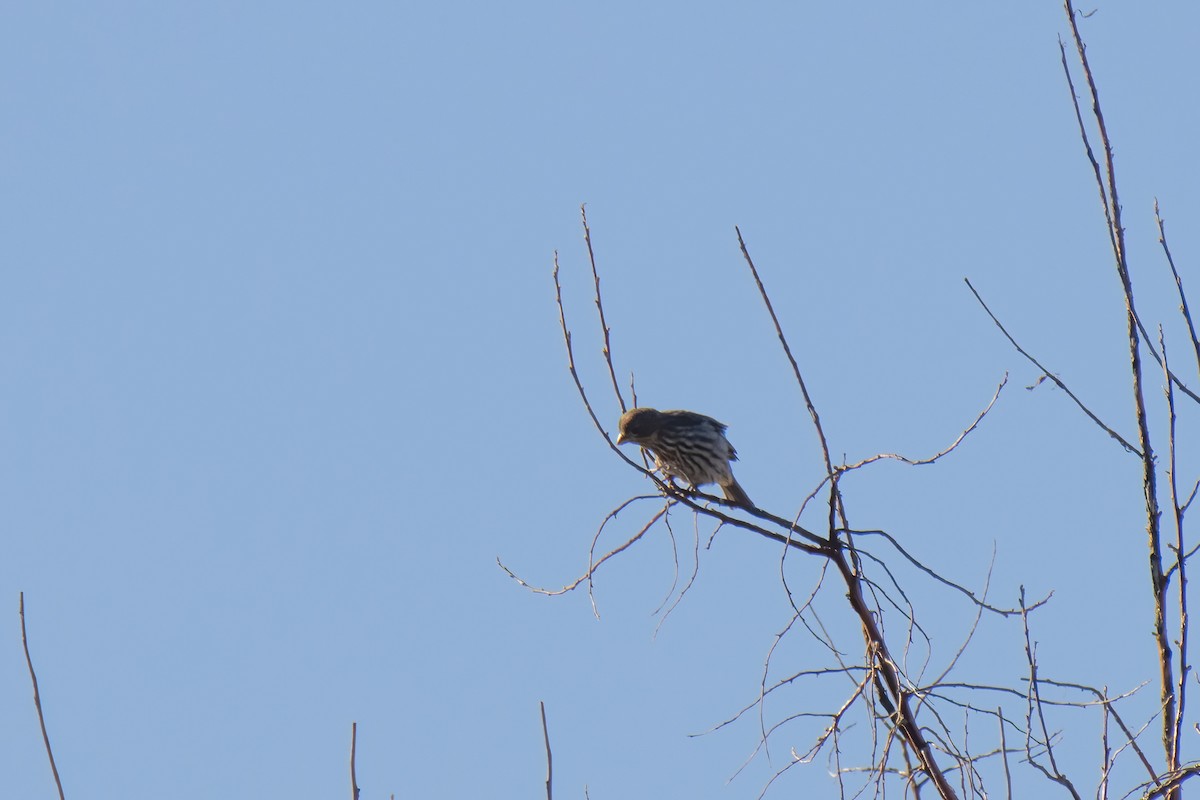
(1180, 565)
(566, 332)
(1183, 303)
(612, 373)
(1004, 755)
(1112, 206)
(1036, 708)
(787, 349)
(353, 750)
(1004, 612)
(931, 459)
(549, 757)
(37, 699)
(1048, 374)
(593, 565)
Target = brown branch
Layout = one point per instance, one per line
(1004, 612)
(566, 332)
(905, 718)
(1180, 565)
(920, 462)
(835, 496)
(1158, 582)
(1108, 760)
(612, 373)
(1036, 707)
(1004, 755)
(37, 700)
(812, 411)
(353, 748)
(592, 565)
(1172, 782)
(549, 757)
(1048, 374)
(1183, 303)
(691, 578)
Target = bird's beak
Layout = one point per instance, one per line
(620, 438)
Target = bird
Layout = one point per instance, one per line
(686, 445)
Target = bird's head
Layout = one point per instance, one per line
(638, 425)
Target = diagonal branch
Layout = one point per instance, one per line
(37, 700)
(1183, 303)
(1057, 381)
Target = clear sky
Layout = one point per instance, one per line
(282, 377)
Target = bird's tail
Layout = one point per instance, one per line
(734, 493)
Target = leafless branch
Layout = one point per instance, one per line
(37, 699)
(549, 757)
(1183, 303)
(1050, 375)
(787, 349)
(1004, 754)
(1035, 708)
(612, 373)
(1004, 612)
(1180, 564)
(1108, 189)
(593, 565)
(931, 459)
(353, 750)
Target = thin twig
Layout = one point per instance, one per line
(1004, 612)
(1183, 303)
(593, 565)
(566, 332)
(1180, 565)
(37, 700)
(920, 462)
(1036, 708)
(353, 748)
(1004, 755)
(835, 497)
(549, 757)
(1048, 374)
(612, 373)
(787, 349)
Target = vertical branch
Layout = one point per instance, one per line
(37, 701)
(1106, 763)
(353, 750)
(1035, 707)
(1004, 754)
(1158, 580)
(1180, 564)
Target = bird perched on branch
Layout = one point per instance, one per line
(686, 445)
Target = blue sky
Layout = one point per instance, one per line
(282, 374)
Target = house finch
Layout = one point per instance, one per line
(686, 445)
